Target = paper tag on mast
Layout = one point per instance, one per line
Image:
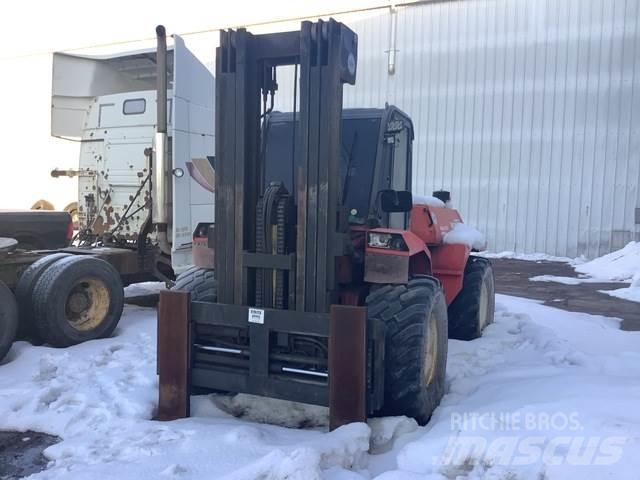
(256, 315)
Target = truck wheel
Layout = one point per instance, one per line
(8, 319)
(77, 299)
(24, 294)
(472, 310)
(415, 316)
(200, 282)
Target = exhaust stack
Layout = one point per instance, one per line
(159, 208)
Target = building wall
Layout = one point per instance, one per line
(528, 111)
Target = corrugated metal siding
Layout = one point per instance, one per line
(527, 110)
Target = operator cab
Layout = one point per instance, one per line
(375, 156)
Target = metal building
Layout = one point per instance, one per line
(528, 111)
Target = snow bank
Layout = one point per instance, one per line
(143, 289)
(427, 200)
(567, 280)
(620, 266)
(556, 384)
(99, 397)
(465, 234)
(532, 257)
(631, 293)
(534, 364)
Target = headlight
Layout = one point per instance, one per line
(387, 240)
(380, 240)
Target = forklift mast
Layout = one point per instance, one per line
(245, 258)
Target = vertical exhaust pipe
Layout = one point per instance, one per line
(159, 186)
(159, 208)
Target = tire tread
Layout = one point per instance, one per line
(403, 309)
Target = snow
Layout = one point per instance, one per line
(143, 288)
(534, 364)
(566, 280)
(532, 257)
(632, 292)
(465, 234)
(427, 200)
(619, 266)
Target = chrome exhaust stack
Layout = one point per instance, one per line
(160, 168)
(159, 208)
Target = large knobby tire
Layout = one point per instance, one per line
(200, 282)
(24, 294)
(415, 316)
(77, 299)
(8, 319)
(473, 309)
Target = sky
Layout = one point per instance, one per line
(32, 30)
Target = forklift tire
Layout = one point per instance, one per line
(8, 319)
(77, 299)
(415, 316)
(24, 294)
(473, 309)
(200, 282)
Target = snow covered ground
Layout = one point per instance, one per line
(545, 394)
(143, 288)
(532, 257)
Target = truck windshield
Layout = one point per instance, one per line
(358, 157)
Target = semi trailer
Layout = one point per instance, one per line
(144, 123)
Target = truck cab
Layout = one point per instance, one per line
(108, 104)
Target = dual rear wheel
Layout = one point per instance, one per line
(68, 299)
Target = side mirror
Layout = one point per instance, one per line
(395, 201)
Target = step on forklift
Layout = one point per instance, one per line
(331, 285)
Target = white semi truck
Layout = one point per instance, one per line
(145, 124)
(109, 105)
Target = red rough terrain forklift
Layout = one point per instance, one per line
(331, 284)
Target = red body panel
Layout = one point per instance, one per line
(432, 223)
(428, 255)
(448, 267)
